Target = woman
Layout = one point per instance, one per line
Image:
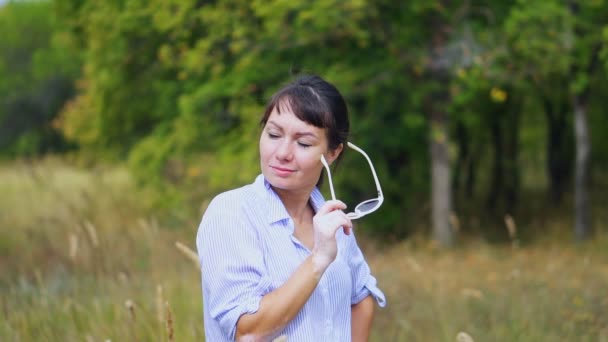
(276, 258)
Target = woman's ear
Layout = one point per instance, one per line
(334, 154)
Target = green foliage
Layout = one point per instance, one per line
(36, 78)
(538, 30)
(177, 87)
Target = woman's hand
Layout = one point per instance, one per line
(326, 222)
(278, 307)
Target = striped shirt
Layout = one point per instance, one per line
(247, 249)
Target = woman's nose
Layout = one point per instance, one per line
(284, 151)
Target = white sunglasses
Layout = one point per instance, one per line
(367, 206)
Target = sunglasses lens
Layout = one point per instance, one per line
(367, 205)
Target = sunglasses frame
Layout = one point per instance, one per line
(357, 213)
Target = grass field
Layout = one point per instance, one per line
(84, 258)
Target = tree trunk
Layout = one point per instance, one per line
(583, 228)
(497, 184)
(559, 158)
(441, 188)
(582, 217)
(504, 128)
(441, 193)
(511, 149)
(464, 169)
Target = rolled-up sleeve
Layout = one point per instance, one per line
(233, 270)
(364, 283)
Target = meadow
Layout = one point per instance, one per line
(84, 256)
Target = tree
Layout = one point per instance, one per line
(571, 34)
(438, 91)
(587, 46)
(439, 70)
(535, 31)
(36, 78)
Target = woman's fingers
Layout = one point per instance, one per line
(330, 218)
(335, 208)
(330, 206)
(326, 222)
(348, 228)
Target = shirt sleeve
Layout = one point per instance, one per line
(232, 264)
(364, 283)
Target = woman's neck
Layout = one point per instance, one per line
(296, 204)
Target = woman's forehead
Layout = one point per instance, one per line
(290, 124)
(287, 119)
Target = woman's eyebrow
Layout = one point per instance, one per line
(306, 134)
(270, 122)
(298, 134)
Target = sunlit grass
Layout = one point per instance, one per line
(83, 257)
(552, 292)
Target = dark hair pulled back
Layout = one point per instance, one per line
(317, 102)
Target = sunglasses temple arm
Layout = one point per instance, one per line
(331, 185)
(371, 165)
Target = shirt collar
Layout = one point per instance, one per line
(273, 205)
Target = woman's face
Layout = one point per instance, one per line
(290, 151)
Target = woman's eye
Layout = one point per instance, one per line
(273, 135)
(305, 145)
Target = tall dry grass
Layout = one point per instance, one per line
(84, 257)
(548, 292)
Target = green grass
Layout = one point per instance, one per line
(83, 257)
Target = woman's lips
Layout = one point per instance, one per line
(280, 171)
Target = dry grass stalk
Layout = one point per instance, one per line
(90, 228)
(414, 264)
(169, 323)
(122, 277)
(149, 226)
(130, 305)
(144, 225)
(464, 337)
(73, 242)
(454, 222)
(159, 304)
(472, 293)
(512, 229)
(189, 253)
(160, 309)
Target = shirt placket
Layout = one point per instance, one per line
(326, 311)
(327, 331)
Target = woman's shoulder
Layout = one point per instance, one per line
(230, 199)
(228, 211)
(235, 199)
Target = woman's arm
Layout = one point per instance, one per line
(280, 306)
(361, 321)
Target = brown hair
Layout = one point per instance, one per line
(317, 102)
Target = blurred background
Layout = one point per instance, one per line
(486, 122)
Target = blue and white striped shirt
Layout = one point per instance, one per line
(247, 249)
